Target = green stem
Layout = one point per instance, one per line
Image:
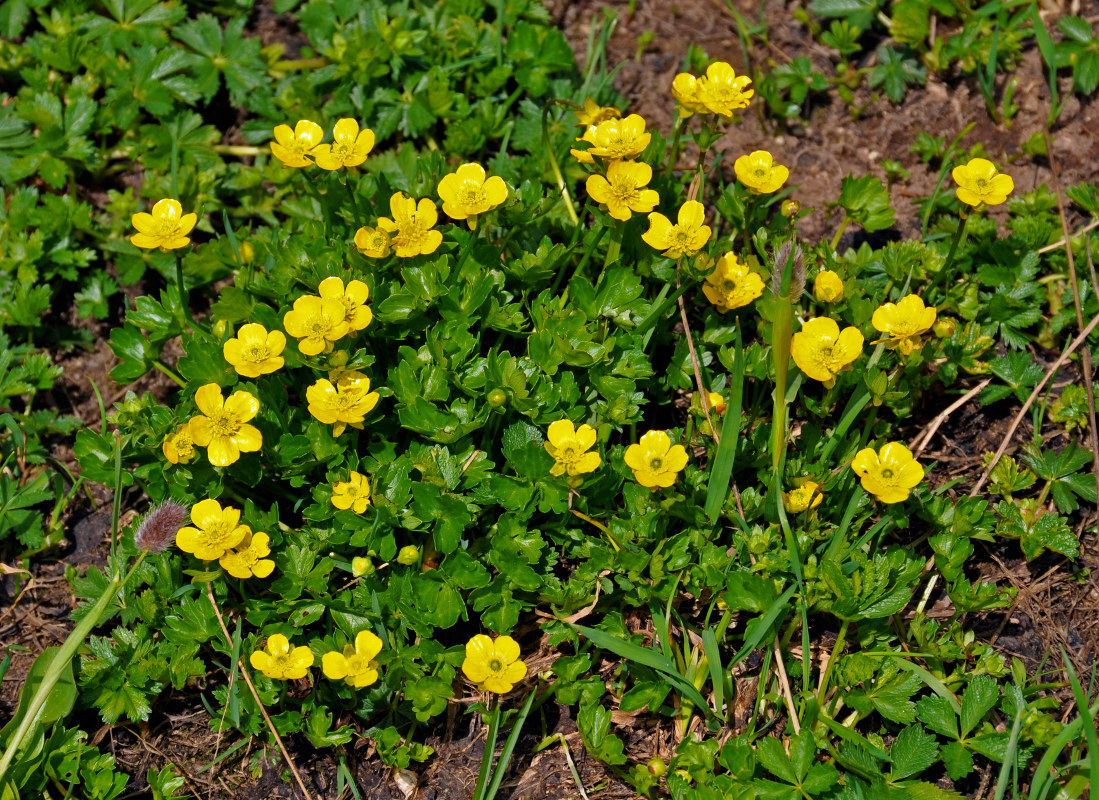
(569, 207)
(839, 232)
(841, 639)
(955, 243)
(615, 247)
(160, 365)
(354, 201)
(781, 334)
(673, 156)
(184, 298)
(490, 750)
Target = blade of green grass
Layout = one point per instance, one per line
(721, 472)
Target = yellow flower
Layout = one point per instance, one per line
(618, 138)
(410, 229)
(592, 113)
(685, 238)
(349, 147)
(716, 402)
(353, 493)
(352, 297)
(759, 173)
(802, 498)
(179, 446)
(583, 156)
(623, 190)
(723, 92)
(219, 530)
(347, 402)
(292, 147)
(732, 284)
(828, 287)
(656, 461)
(685, 90)
(903, 323)
(466, 193)
(567, 446)
(167, 227)
(889, 474)
(821, 351)
(247, 559)
(222, 428)
(979, 182)
(355, 665)
(494, 666)
(316, 322)
(254, 351)
(372, 242)
(280, 661)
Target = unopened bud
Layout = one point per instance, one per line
(157, 532)
(220, 327)
(409, 555)
(497, 398)
(657, 766)
(362, 567)
(828, 287)
(782, 257)
(247, 252)
(790, 208)
(945, 327)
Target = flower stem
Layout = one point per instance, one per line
(955, 243)
(184, 298)
(569, 207)
(832, 245)
(673, 156)
(160, 365)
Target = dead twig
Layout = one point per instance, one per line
(928, 433)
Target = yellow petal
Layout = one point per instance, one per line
(209, 400)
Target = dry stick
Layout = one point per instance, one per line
(1050, 247)
(1030, 401)
(703, 396)
(784, 683)
(928, 433)
(1085, 353)
(255, 696)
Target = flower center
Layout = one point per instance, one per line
(886, 474)
(280, 663)
(760, 172)
(568, 454)
(826, 353)
(471, 196)
(656, 464)
(495, 665)
(216, 533)
(224, 423)
(982, 185)
(355, 665)
(256, 352)
(729, 285)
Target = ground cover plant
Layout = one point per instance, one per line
(480, 395)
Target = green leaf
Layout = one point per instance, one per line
(896, 69)
(594, 723)
(957, 760)
(318, 727)
(866, 201)
(59, 702)
(980, 696)
(937, 714)
(913, 751)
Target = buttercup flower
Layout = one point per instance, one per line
(347, 402)
(292, 147)
(903, 323)
(821, 350)
(355, 665)
(354, 493)
(349, 147)
(618, 138)
(723, 92)
(828, 287)
(255, 351)
(802, 498)
(179, 446)
(316, 322)
(731, 284)
(685, 90)
(410, 229)
(568, 446)
(372, 242)
(759, 173)
(494, 666)
(247, 559)
(716, 402)
(166, 227)
(685, 238)
(352, 297)
(592, 113)
(223, 427)
(889, 474)
(218, 530)
(280, 660)
(623, 190)
(466, 193)
(980, 182)
(655, 461)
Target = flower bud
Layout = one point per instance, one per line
(409, 555)
(247, 252)
(220, 327)
(828, 287)
(338, 358)
(657, 766)
(497, 398)
(944, 327)
(790, 208)
(362, 567)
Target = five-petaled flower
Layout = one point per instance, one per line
(821, 350)
(685, 90)
(345, 402)
(410, 230)
(723, 91)
(903, 323)
(685, 238)
(247, 560)
(760, 173)
(732, 284)
(568, 447)
(218, 530)
(373, 242)
(655, 461)
(166, 227)
(352, 297)
(618, 138)
(802, 498)
(349, 147)
(889, 474)
(280, 660)
(980, 182)
(623, 190)
(179, 446)
(316, 322)
(466, 193)
(223, 427)
(494, 666)
(255, 351)
(355, 665)
(828, 287)
(292, 147)
(354, 493)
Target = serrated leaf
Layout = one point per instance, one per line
(913, 751)
(980, 696)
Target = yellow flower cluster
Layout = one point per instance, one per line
(349, 147)
(318, 321)
(720, 91)
(731, 284)
(219, 535)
